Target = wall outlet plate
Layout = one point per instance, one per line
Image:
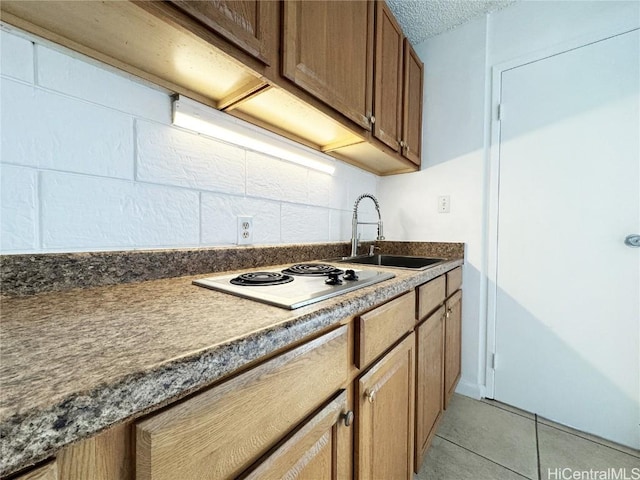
(245, 230)
(444, 204)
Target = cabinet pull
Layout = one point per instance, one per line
(449, 310)
(347, 417)
(372, 119)
(371, 395)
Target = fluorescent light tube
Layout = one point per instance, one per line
(213, 123)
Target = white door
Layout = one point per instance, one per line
(568, 289)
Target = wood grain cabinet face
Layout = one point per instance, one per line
(45, 472)
(326, 51)
(316, 451)
(452, 348)
(397, 106)
(245, 23)
(412, 105)
(429, 381)
(430, 295)
(454, 280)
(388, 77)
(385, 416)
(219, 433)
(379, 328)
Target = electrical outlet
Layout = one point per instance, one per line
(245, 230)
(444, 204)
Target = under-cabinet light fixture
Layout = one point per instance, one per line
(206, 120)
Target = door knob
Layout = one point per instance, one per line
(632, 241)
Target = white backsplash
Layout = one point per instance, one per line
(90, 161)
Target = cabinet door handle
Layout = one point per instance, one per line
(347, 417)
(371, 395)
(372, 119)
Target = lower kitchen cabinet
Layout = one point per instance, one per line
(221, 432)
(452, 345)
(320, 449)
(429, 381)
(385, 416)
(438, 336)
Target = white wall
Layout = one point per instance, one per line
(456, 138)
(89, 161)
(453, 164)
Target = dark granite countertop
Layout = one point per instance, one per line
(75, 362)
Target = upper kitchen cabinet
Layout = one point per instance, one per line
(326, 51)
(301, 69)
(397, 104)
(412, 105)
(245, 23)
(388, 77)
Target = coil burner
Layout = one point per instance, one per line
(261, 279)
(312, 269)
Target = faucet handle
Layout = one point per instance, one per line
(372, 249)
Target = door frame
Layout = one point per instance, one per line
(493, 181)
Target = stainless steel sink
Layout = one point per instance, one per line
(397, 261)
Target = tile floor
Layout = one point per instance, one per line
(487, 440)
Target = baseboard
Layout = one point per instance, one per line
(469, 389)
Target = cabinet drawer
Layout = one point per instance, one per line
(378, 329)
(430, 295)
(454, 280)
(220, 432)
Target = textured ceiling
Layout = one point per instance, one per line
(421, 19)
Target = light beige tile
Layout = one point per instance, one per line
(501, 436)
(509, 408)
(561, 450)
(593, 438)
(447, 461)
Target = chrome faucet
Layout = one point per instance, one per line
(354, 224)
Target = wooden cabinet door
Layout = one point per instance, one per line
(412, 105)
(245, 23)
(452, 346)
(385, 416)
(326, 51)
(317, 451)
(387, 106)
(429, 381)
